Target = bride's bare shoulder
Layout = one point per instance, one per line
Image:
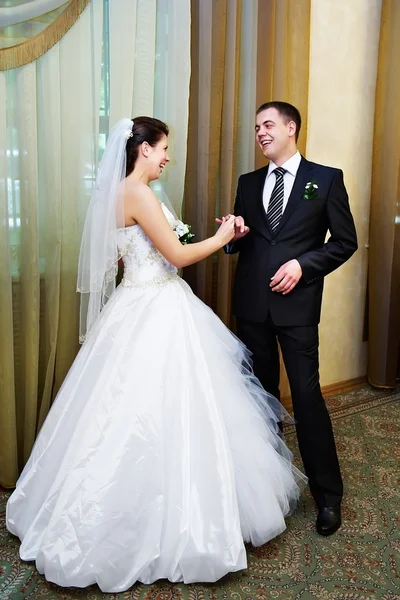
(135, 189)
(139, 201)
(135, 193)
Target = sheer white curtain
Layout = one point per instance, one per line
(150, 73)
(120, 58)
(48, 144)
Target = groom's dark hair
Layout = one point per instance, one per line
(287, 111)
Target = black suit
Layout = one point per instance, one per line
(264, 316)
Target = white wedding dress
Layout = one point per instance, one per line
(159, 457)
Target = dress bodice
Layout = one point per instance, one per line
(144, 265)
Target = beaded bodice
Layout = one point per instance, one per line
(144, 265)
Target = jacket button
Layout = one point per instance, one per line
(273, 242)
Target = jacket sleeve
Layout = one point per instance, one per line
(343, 240)
(234, 247)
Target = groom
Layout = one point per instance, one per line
(284, 211)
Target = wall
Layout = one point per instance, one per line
(343, 68)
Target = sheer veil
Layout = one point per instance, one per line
(98, 258)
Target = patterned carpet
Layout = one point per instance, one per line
(360, 562)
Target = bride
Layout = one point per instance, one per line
(160, 456)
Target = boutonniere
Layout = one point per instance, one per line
(311, 190)
(182, 232)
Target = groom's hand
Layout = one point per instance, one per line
(240, 228)
(286, 278)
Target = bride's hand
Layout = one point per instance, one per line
(226, 230)
(240, 228)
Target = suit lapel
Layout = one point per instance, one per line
(301, 179)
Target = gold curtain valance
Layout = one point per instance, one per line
(30, 50)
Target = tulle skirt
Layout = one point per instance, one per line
(160, 455)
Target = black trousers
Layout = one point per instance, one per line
(299, 346)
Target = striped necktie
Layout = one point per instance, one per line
(275, 206)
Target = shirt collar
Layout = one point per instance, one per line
(291, 165)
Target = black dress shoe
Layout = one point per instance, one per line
(329, 520)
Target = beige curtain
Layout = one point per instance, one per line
(48, 140)
(213, 107)
(283, 55)
(243, 54)
(384, 251)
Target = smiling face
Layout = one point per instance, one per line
(275, 135)
(158, 157)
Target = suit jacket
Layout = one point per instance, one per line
(301, 234)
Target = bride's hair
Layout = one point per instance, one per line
(145, 129)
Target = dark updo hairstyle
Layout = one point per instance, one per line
(145, 129)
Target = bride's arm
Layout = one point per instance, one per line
(142, 205)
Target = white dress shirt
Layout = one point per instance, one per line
(291, 167)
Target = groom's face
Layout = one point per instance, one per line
(273, 135)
